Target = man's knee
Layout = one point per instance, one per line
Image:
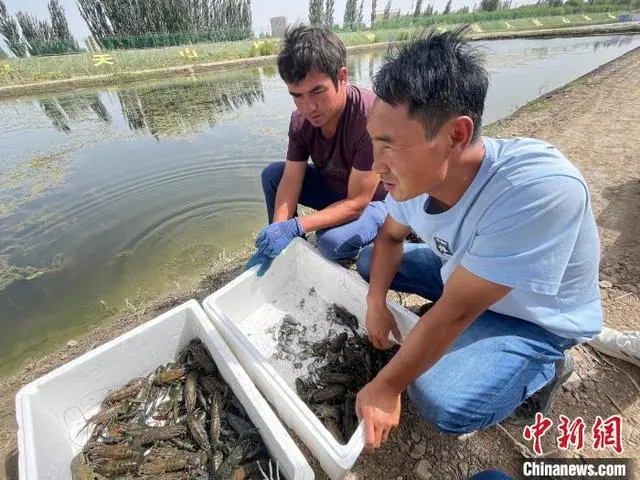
(445, 410)
(363, 263)
(335, 245)
(271, 175)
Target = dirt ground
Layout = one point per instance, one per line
(594, 121)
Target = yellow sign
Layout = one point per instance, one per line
(566, 20)
(476, 28)
(611, 16)
(102, 59)
(188, 53)
(509, 26)
(537, 22)
(587, 17)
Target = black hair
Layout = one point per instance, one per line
(308, 48)
(437, 75)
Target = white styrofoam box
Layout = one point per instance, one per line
(300, 265)
(51, 411)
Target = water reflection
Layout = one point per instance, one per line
(185, 108)
(612, 42)
(541, 52)
(173, 109)
(72, 108)
(591, 44)
(270, 71)
(182, 107)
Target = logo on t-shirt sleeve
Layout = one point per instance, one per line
(442, 246)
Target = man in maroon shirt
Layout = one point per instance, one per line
(330, 126)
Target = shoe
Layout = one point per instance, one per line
(541, 400)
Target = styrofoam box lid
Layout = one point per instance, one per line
(51, 410)
(299, 263)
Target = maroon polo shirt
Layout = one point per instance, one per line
(349, 148)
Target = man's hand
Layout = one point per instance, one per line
(379, 406)
(379, 321)
(261, 259)
(275, 237)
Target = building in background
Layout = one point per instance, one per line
(393, 13)
(278, 26)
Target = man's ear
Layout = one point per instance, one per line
(343, 76)
(461, 132)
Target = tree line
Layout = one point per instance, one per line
(116, 24)
(128, 24)
(148, 23)
(25, 33)
(321, 12)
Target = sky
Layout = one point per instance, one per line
(263, 10)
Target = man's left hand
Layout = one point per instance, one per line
(261, 259)
(379, 406)
(275, 237)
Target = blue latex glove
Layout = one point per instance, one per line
(261, 259)
(275, 237)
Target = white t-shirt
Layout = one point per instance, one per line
(525, 222)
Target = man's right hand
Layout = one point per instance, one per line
(379, 321)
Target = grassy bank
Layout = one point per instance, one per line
(120, 66)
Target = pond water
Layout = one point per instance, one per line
(110, 196)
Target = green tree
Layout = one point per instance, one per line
(153, 23)
(37, 33)
(350, 14)
(10, 31)
(387, 11)
(428, 10)
(464, 9)
(329, 12)
(59, 21)
(489, 5)
(447, 9)
(316, 12)
(418, 11)
(374, 4)
(360, 16)
(64, 40)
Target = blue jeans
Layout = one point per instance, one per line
(494, 366)
(335, 243)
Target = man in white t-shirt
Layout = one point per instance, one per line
(511, 252)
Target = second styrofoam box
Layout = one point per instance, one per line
(248, 298)
(51, 411)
